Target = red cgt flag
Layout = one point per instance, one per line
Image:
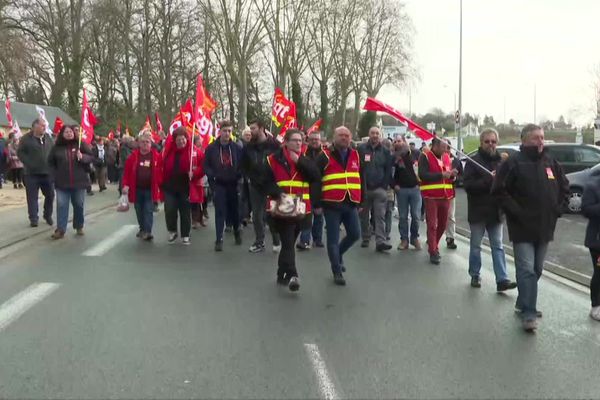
(159, 126)
(88, 120)
(58, 124)
(375, 105)
(282, 107)
(315, 127)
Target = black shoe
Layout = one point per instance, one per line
(435, 258)
(505, 285)
(538, 313)
(365, 243)
(294, 284)
(139, 234)
(33, 224)
(102, 189)
(20, 186)
(450, 244)
(49, 220)
(343, 268)
(219, 245)
(238, 237)
(475, 282)
(383, 247)
(90, 193)
(302, 246)
(318, 244)
(339, 280)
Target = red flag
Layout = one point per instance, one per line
(8, 114)
(159, 126)
(375, 105)
(111, 135)
(183, 117)
(58, 124)
(315, 127)
(282, 107)
(88, 120)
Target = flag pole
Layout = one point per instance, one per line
(80, 135)
(192, 147)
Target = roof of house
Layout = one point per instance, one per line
(25, 113)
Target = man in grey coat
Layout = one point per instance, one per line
(33, 152)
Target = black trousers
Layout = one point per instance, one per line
(595, 282)
(178, 204)
(288, 230)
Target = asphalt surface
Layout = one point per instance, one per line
(567, 249)
(152, 320)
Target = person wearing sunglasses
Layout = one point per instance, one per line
(484, 211)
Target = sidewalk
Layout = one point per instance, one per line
(13, 213)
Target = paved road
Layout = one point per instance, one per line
(567, 249)
(168, 321)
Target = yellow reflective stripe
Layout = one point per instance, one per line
(343, 186)
(341, 175)
(306, 196)
(292, 184)
(437, 186)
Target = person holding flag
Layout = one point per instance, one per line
(33, 152)
(69, 164)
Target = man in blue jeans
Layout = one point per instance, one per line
(532, 189)
(33, 152)
(313, 151)
(341, 195)
(484, 211)
(408, 194)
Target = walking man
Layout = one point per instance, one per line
(341, 197)
(408, 194)
(33, 152)
(376, 172)
(484, 212)
(532, 189)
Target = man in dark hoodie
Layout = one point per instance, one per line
(33, 152)
(254, 168)
(532, 190)
(484, 211)
(222, 168)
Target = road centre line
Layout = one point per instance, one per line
(17, 305)
(106, 244)
(326, 386)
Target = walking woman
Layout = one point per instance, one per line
(196, 184)
(177, 176)
(142, 177)
(590, 207)
(69, 167)
(15, 166)
(289, 178)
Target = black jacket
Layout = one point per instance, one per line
(483, 207)
(404, 171)
(532, 190)
(375, 166)
(322, 162)
(254, 160)
(213, 166)
(590, 208)
(33, 153)
(67, 171)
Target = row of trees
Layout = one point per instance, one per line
(139, 56)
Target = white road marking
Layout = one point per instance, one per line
(106, 244)
(580, 247)
(16, 306)
(326, 386)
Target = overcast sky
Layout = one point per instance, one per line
(508, 47)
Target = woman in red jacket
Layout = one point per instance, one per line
(141, 183)
(196, 186)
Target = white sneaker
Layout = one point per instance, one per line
(595, 313)
(172, 237)
(276, 249)
(186, 241)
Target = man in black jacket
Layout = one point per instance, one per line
(408, 194)
(376, 172)
(33, 152)
(532, 189)
(484, 211)
(222, 169)
(254, 168)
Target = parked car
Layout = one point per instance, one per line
(577, 181)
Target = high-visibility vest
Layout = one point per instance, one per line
(339, 182)
(442, 189)
(291, 182)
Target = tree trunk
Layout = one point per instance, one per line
(243, 97)
(324, 114)
(356, 109)
(297, 99)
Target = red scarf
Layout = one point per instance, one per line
(286, 154)
(184, 160)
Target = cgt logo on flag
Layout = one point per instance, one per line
(282, 108)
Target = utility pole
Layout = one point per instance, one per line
(534, 103)
(459, 141)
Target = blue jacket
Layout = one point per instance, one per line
(216, 172)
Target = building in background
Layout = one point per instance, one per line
(25, 113)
